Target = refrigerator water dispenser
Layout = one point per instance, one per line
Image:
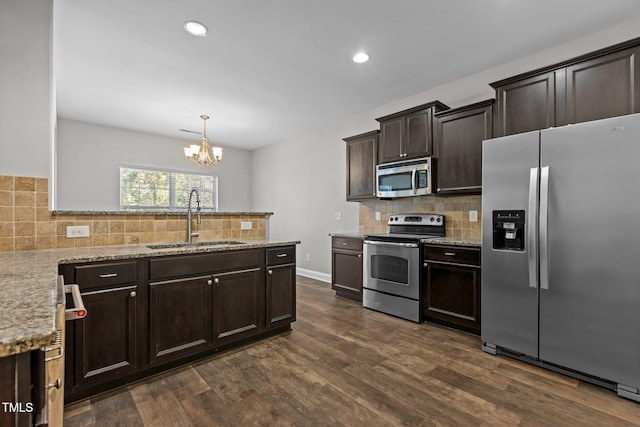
(508, 230)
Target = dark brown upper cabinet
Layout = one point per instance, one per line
(362, 157)
(408, 134)
(525, 104)
(458, 135)
(603, 87)
(598, 85)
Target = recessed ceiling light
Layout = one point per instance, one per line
(195, 28)
(360, 57)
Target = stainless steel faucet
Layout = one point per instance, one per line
(191, 234)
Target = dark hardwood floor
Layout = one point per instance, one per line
(345, 365)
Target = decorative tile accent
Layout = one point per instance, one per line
(454, 208)
(26, 222)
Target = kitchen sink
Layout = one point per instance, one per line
(193, 244)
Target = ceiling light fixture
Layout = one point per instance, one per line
(195, 28)
(360, 57)
(204, 155)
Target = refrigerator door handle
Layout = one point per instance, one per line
(532, 252)
(544, 224)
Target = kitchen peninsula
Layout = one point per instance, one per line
(245, 286)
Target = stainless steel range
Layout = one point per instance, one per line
(392, 267)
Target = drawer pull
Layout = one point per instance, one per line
(107, 275)
(345, 243)
(281, 255)
(450, 253)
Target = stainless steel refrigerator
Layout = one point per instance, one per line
(561, 250)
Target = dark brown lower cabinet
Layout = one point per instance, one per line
(281, 295)
(179, 317)
(238, 305)
(106, 345)
(148, 315)
(346, 267)
(451, 287)
(16, 402)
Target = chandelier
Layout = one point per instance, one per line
(204, 155)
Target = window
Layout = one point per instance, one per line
(163, 189)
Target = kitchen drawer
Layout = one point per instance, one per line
(349, 243)
(452, 254)
(191, 265)
(282, 255)
(105, 274)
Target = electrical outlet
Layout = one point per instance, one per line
(473, 216)
(246, 225)
(337, 215)
(378, 216)
(74, 231)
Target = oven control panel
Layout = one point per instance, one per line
(416, 219)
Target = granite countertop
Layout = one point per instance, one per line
(346, 234)
(454, 241)
(29, 279)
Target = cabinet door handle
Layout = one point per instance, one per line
(107, 275)
(426, 264)
(450, 253)
(133, 294)
(270, 272)
(216, 280)
(359, 255)
(209, 282)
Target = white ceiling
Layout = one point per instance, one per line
(270, 69)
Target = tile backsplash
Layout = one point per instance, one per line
(454, 208)
(26, 222)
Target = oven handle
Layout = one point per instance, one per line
(404, 245)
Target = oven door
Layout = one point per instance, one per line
(392, 268)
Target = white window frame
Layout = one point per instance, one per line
(172, 190)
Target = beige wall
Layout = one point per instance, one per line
(26, 222)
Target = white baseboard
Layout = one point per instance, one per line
(324, 277)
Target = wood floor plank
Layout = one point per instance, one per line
(115, 409)
(392, 385)
(395, 412)
(343, 365)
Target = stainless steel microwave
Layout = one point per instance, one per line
(404, 179)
